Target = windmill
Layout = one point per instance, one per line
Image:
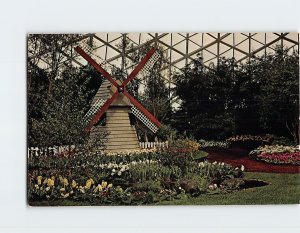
(114, 102)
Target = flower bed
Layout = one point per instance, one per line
(281, 158)
(277, 154)
(126, 178)
(213, 144)
(249, 141)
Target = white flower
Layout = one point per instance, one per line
(201, 164)
(242, 168)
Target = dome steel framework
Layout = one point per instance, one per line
(181, 48)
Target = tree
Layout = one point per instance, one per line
(204, 111)
(260, 96)
(279, 95)
(62, 113)
(55, 115)
(51, 51)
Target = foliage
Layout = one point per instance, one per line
(54, 48)
(200, 155)
(283, 141)
(279, 91)
(61, 115)
(180, 153)
(257, 97)
(203, 94)
(188, 145)
(166, 132)
(58, 94)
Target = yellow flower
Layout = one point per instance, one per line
(45, 181)
(88, 184)
(39, 180)
(65, 195)
(65, 182)
(109, 186)
(104, 184)
(98, 188)
(119, 189)
(50, 182)
(92, 181)
(74, 184)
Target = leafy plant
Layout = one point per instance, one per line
(200, 155)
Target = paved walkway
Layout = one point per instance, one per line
(239, 156)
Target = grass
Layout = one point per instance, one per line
(282, 189)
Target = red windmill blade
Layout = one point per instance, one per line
(138, 110)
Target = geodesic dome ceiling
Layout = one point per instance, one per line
(181, 48)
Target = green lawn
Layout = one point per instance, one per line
(282, 189)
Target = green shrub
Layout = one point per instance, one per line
(200, 155)
(147, 186)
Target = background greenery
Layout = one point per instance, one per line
(260, 96)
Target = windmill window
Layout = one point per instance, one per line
(132, 119)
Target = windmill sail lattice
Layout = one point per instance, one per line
(95, 108)
(142, 117)
(145, 71)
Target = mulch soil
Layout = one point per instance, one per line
(239, 156)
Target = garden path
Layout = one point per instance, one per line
(239, 156)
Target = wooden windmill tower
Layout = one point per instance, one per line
(115, 103)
